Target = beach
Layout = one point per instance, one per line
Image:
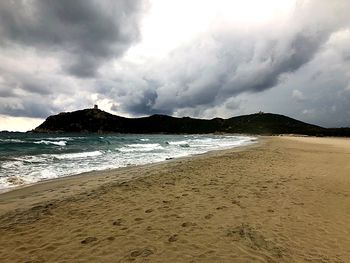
(284, 199)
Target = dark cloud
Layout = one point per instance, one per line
(88, 32)
(297, 66)
(216, 79)
(18, 82)
(29, 107)
(5, 92)
(45, 44)
(226, 63)
(142, 103)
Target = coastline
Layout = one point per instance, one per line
(284, 199)
(122, 151)
(97, 178)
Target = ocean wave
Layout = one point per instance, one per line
(141, 147)
(58, 143)
(30, 159)
(184, 144)
(177, 142)
(33, 164)
(12, 140)
(61, 138)
(15, 180)
(11, 164)
(76, 155)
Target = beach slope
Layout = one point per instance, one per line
(286, 199)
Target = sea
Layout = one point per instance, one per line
(27, 158)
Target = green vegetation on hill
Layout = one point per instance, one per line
(95, 120)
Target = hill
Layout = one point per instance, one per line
(98, 121)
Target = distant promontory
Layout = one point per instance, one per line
(98, 121)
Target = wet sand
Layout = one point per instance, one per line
(286, 199)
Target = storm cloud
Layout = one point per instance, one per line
(66, 55)
(225, 63)
(86, 33)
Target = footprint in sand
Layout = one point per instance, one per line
(149, 211)
(88, 240)
(187, 224)
(117, 222)
(194, 189)
(145, 252)
(208, 216)
(172, 238)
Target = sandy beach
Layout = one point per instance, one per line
(285, 199)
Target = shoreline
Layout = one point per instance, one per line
(286, 200)
(102, 169)
(257, 141)
(121, 174)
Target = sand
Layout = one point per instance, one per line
(286, 199)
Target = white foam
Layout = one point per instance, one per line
(63, 138)
(76, 155)
(32, 159)
(178, 142)
(12, 140)
(11, 164)
(59, 143)
(143, 145)
(138, 147)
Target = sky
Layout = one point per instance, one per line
(197, 58)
